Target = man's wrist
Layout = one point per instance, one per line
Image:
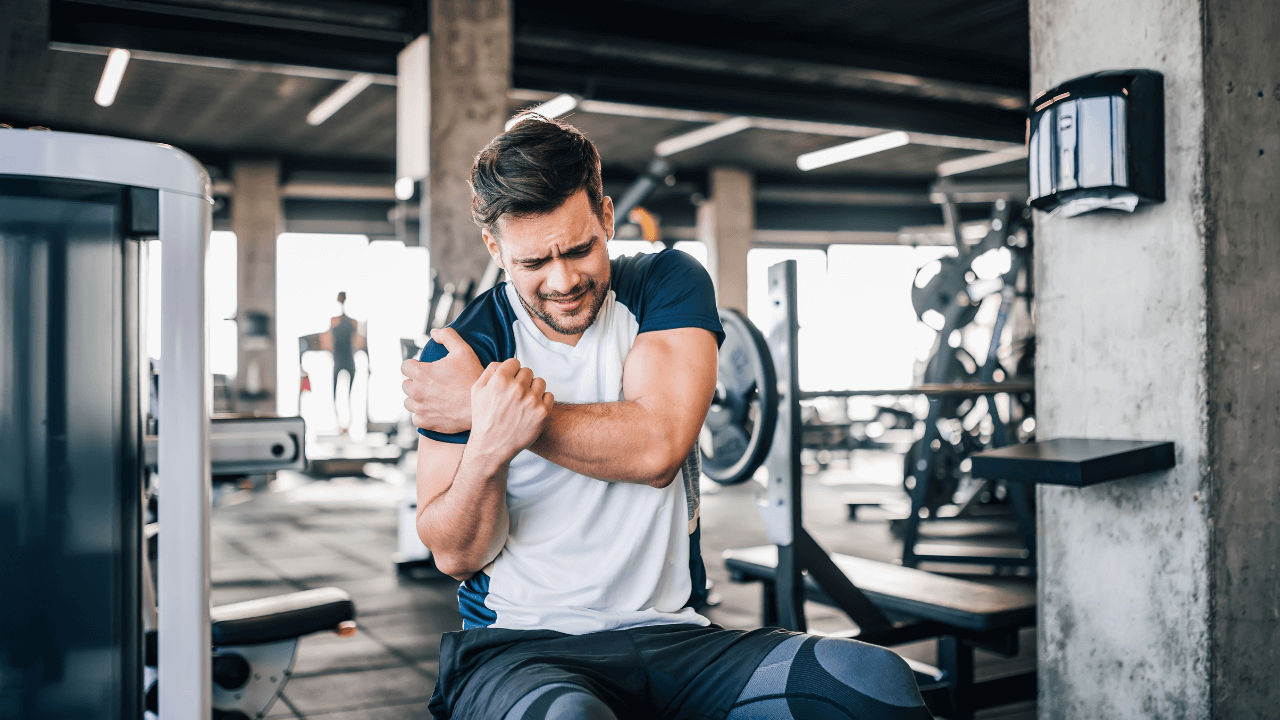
(485, 460)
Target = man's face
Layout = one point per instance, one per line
(558, 264)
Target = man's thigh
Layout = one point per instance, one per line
(487, 685)
(560, 701)
(672, 671)
(811, 677)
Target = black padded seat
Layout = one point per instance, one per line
(905, 592)
(281, 617)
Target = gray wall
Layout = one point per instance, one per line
(1124, 591)
(1159, 594)
(1242, 215)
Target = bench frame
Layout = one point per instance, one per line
(805, 570)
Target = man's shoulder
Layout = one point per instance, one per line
(637, 277)
(486, 325)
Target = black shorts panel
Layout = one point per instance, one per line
(684, 672)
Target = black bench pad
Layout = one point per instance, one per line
(281, 617)
(906, 591)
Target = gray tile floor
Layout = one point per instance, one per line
(298, 534)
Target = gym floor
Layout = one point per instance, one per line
(298, 533)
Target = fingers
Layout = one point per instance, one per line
(524, 377)
(488, 373)
(507, 368)
(409, 367)
(451, 340)
(521, 377)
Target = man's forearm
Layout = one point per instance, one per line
(623, 441)
(466, 526)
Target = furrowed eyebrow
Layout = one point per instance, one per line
(571, 251)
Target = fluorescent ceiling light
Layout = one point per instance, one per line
(701, 136)
(553, 108)
(851, 150)
(978, 162)
(112, 74)
(340, 97)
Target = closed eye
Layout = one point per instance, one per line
(574, 253)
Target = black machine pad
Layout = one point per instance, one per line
(281, 617)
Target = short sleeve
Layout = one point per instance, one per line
(677, 292)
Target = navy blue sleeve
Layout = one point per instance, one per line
(485, 325)
(668, 290)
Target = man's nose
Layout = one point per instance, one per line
(563, 277)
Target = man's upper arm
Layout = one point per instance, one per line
(673, 374)
(437, 464)
(671, 367)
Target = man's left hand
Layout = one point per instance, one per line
(439, 393)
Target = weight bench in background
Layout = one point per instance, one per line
(891, 605)
(918, 605)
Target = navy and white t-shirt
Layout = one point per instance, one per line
(583, 555)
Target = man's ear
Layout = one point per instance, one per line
(606, 218)
(491, 244)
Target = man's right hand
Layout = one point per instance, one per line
(509, 408)
(438, 393)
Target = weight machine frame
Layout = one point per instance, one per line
(923, 472)
(799, 553)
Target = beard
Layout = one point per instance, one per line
(576, 321)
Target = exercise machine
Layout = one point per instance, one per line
(255, 642)
(889, 604)
(73, 212)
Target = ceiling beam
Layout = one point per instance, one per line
(539, 43)
(731, 95)
(182, 30)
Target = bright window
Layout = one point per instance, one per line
(220, 301)
(387, 287)
(618, 248)
(858, 329)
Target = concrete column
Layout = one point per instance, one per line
(1159, 593)
(257, 217)
(453, 100)
(726, 224)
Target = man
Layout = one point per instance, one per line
(345, 339)
(558, 478)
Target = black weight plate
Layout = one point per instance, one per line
(941, 290)
(739, 428)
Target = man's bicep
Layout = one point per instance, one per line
(437, 464)
(674, 372)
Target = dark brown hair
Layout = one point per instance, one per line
(531, 170)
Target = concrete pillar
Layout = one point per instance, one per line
(453, 101)
(1159, 594)
(726, 224)
(257, 217)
